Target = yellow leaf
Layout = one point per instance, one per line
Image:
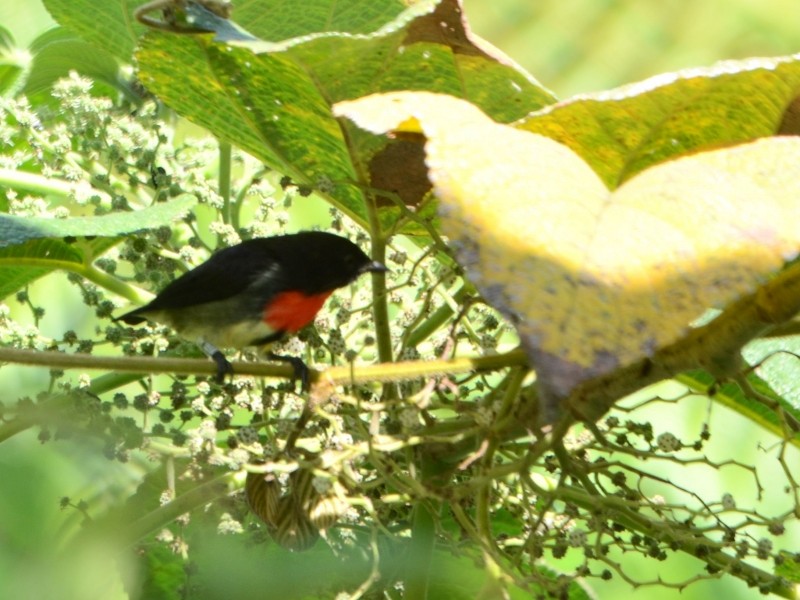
(593, 279)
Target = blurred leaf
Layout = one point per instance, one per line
(463, 578)
(6, 40)
(14, 64)
(146, 513)
(35, 477)
(17, 230)
(789, 568)
(52, 35)
(58, 51)
(163, 574)
(596, 280)
(151, 491)
(624, 131)
(276, 104)
(506, 523)
(24, 263)
(268, 572)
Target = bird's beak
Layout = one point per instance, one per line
(374, 267)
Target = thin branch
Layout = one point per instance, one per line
(351, 374)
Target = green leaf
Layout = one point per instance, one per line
(777, 362)
(463, 577)
(22, 264)
(268, 572)
(789, 568)
(58, 52)
(273, 112)
(14, 64)
(276, 104)
(621, 132)
(741, 401)
(283, 19)
(108, 25)
(17, 230)
(596, 280)
(31, 247)
(112, 27)
(149, 494)
(163, 573)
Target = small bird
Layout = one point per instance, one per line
(254, 293)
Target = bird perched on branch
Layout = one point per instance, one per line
(254, 293)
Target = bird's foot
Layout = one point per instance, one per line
(224, 367)
(300, 369)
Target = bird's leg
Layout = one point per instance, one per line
(224, 367)
(299, 367)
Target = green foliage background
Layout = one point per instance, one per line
(570, 46)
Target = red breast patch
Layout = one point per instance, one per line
(291, 311)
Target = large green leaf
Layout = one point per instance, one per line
(109, 25)
(283, 19)
(624, 131)
(275, 104)
(597, 280)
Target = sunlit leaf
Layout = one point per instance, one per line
(623, 131)
(594, 279)
(277, 20)
(744, 403)
(108, 25)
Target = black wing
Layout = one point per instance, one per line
(227, 273)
